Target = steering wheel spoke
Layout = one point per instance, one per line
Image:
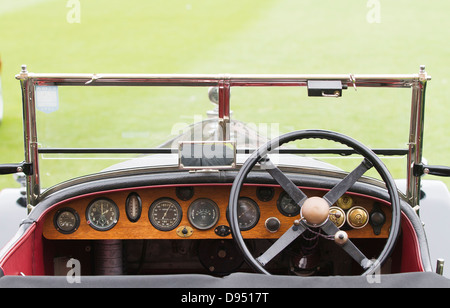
(288, 237)
(343, 186)
(289, 187)
(315, 210)
(330, 228)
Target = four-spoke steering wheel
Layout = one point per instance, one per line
(314, 211)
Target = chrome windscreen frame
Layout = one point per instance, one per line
(28, 81)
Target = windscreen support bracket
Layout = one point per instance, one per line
(24, 167)
(224, 107)
(421, 169)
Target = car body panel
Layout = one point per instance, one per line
(11, 213)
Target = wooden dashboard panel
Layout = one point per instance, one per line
(219, 193)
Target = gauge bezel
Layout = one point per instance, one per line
(99, 228)
(59, 212)
(350, 222)
(345, 202)
(212, 206)
(265, 197)
(281, 210)
(342, 212)
(127, 207)
(155, 223)
(184, 193)
(258, 213)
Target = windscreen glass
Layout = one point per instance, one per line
(89, 118)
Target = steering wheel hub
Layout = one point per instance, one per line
(315, 211)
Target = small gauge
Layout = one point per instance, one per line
(265, 193)
(357, 217)
(248, 213)
(165, 214)
(337, 216)
(184, 192)
(203, 213)
(66, 220)
(345, 202)
(133, 207)
(102, 214)
(287, 206)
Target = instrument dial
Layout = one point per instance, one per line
(265, 193)
(287, 206)
(345, 202)
(337, 216)
(102, 214)
(165, 214)
(357, 217)
(248, 213)
(133, 207)
(203, 213)
(66, 220)
(184, 192)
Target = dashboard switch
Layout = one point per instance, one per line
(272, 224)
(222, 230)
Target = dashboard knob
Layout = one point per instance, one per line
(315, 211)
(272, 224)
(341, 237)
(184, 231)
(377, 218)
(222, 230)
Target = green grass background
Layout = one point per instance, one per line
(264, 36)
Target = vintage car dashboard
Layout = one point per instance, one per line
(199, 211)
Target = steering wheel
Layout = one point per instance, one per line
(314, 211)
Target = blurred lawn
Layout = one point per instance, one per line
(264, 36)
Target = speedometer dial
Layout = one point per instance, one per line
(165, 214)
(203, 213)
(102, 214)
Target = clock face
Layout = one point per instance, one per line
(102, 214)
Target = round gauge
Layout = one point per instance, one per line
(102, 214)
(248, 213)
(165, 214)
(287, 206)
(203, 213)
(184, 192)
(337, 216)
(265, 193)
(357, 217)
(345, 202)
(66, 220)
(133, 207)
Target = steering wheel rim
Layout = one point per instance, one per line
(260, 155)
